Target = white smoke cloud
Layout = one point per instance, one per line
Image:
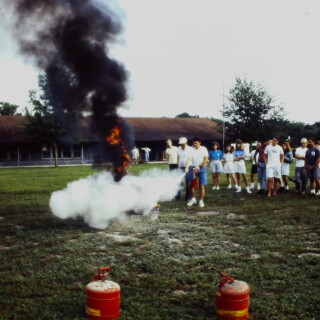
(98, 198)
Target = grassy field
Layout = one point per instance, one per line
(167, 268)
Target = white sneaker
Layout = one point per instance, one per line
(238, 189)
(214, 188)
(318, 193)
(218, 188)
(192, 202)
(248, 189)
(201, 204)
(229, 186)
(252, 186)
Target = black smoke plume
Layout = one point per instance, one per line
(68, 40)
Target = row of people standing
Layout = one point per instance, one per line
(136, 155)
(270, 160)
(234, 165)
(275, 168)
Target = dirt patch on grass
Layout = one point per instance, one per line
(179, 292)
(232, 216)
(309, 254)
(208, 213)
(120, 237)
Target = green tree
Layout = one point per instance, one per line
(8, 109)
(42, 125)
(54, 117)
(186, 115)
(251, 112)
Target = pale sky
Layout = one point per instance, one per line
(182, 55)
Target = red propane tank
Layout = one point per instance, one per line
(103, 297)
(232, 299)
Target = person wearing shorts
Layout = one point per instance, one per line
(311, 165)
(197, 168)
(215, 157)
(261, 166)
(285, 167)
(273, 156)
(239, 165)
(228, 167)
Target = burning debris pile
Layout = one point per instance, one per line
(69, 40)
(99, 199)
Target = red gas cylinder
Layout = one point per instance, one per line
(232, 299)
(103, 297)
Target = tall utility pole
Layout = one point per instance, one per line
(223, 121)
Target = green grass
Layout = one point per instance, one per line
(167, 268)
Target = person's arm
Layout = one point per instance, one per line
(265, 158)
(188, 164)
(288, 157)
(240, 157)
(317, 162)
(306, 160)
(299, 156)
(204, 162)
(255, 157)
(281, 158)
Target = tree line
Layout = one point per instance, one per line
(251, 114)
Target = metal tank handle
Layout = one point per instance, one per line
(225, 279)
(100, 275)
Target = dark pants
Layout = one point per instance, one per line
(301, 179)
(171, 168)
(188, 195)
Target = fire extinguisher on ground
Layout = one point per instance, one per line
(103, 297)
(232, 299)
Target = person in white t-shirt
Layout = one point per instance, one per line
(273, 157)
(172, 155)
(198, 161)
(301, 178)
(184, 153)
(135, 155)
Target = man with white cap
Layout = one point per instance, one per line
(184, 153)
(301, 177)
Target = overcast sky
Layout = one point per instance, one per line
(182, 55)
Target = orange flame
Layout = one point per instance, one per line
(113, 139)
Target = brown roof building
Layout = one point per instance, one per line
(16, 148)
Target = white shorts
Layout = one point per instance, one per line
(228, 167)
(215, 166)
(285, 169)
(239, 167)
(274, 171)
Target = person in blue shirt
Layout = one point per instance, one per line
(215, 157)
